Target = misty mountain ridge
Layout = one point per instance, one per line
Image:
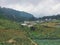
(16, 15)
(50, 17)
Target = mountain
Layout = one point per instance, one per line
(11, 32)
(15, 15)
(51, 17)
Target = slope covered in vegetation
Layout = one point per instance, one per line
(15, 15)
(11, 33)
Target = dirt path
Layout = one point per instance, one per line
(34, 43)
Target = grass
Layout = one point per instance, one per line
(48, 42)
(17, 35)
(46, 30)
(13, 31)
(6, 24)
(10, 30)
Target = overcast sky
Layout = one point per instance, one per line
(35, 7)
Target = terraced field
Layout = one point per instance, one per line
(48, 42)
(47, 33)
(12, 33)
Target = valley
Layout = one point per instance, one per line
(21, 28)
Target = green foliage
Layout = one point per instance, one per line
(13, 30)
(15, 15)
(48, 42)
(10, 29)
(51, 17)
(46, 30)
(5, 24)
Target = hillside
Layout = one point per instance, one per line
(11, 33)
(51, 17)
(15, 15)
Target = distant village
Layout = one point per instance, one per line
(32, 23)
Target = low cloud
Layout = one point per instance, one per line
(35, 7)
